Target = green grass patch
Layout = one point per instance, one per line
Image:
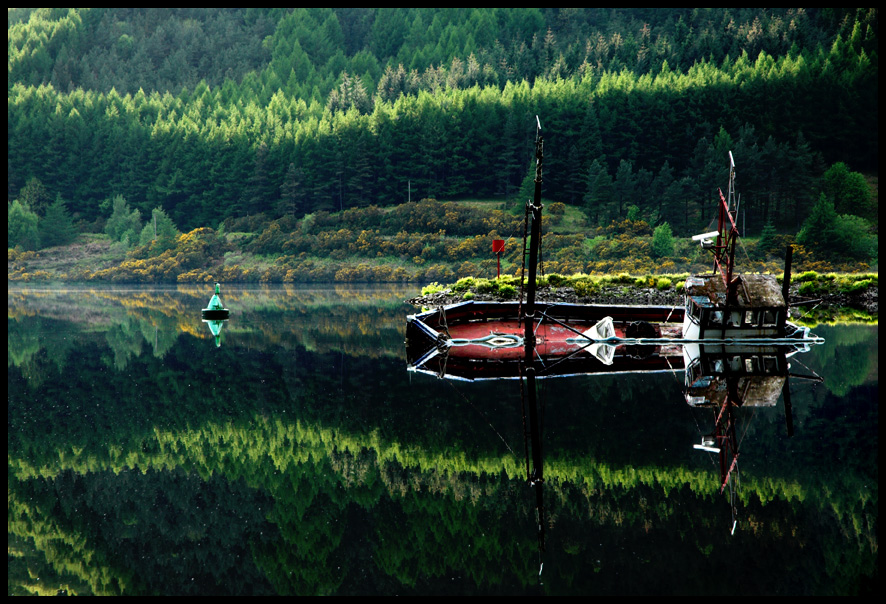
(556, 279)
(432, 288)
(464, 284)
(586, 287)
(806, 277)
(813, 283)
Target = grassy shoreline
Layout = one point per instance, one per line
(854, 292)
(433, 242)
(94, 259)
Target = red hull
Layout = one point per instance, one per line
(551, 340)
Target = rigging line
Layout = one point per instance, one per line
(753, 414)
(712, 221)
(695, 419)
(569, 356)
(523, 264)
(747, 257)
(806, 367)
(741, 246)
(714, 462)
(537, 325)
(523, 415)
(540, 360)
(808, 311)
(671, 312)
(544, 314)
(543, 397)
(673, 372)
(483, 415)
(746, 427)
(541, 262)
(514, 232)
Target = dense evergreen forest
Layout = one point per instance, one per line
(201, 115)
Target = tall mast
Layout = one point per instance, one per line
(536, 477)
(534, 212)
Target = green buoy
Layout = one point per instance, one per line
(215, 310)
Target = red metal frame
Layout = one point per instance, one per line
(725, 246)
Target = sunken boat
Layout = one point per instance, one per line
(473, 339)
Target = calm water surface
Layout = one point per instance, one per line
(300, 457)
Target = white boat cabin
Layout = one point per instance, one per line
(756, 310)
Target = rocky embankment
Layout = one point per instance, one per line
(867, 300)
(565, 295)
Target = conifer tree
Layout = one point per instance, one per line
(124, 224)
(57, 227)
(292, 193)
(599, 191)
(159, 233)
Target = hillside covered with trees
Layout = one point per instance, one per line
(140, 122)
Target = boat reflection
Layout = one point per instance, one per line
(720, 381)
(485, 340)
(724, 379)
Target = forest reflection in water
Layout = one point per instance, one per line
(301, 457)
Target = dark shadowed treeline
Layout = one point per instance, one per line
(186, 111)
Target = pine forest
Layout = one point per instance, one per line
(402, 139)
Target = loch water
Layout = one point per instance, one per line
(294, 453)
